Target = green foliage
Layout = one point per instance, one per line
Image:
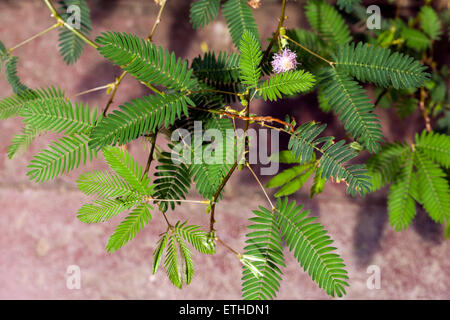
(290, 82)
(327, 22)
(347, 5)
(63, 155)
(430, 22)
(334, 154)
(145, 61)
(401, 204)
(436, 146)
(415, 39)
(311, 246)
(11, 76)
(178, 257)
(130, 227)
(172, 181)
(11, 106)
(203, 12)
(294, 178)
(70, 45)
(103, 209)
(427, 184)
(239, 18)
(380, 66)
(251, 56)
(127, 168)
(58, 115)
(21, 142)
(104, 185)
(352, 105)
(138, 117)
(264, 242)
(223, 68)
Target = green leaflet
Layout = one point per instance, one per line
(70, 45)
(145, 61)
(263, 242)
(202, 12)
(380, 66)
(352, 105)
(327, 22)
(239, 18)
(289, 83)
(139, 117)
(251, 56)
(63, 155)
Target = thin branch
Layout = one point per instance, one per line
(56, 25)
(260, 184)
(227, 246)
(109, 85)
(150, 156)
(113, 93)
(423, 96)
(277, 33)
(331, 63)
(68, 26)
(157, 21)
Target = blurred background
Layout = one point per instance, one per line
(40, 236)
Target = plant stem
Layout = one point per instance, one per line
(331, 63)
(150, 156)
(109, 85)
(227, 246)
(56, 25)
(260, 184)
(157, 21)
(277, 33)
(423, 96)
(68, 26)
(230, 173)
(113, 93)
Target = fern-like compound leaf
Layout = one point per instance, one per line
(327, 22)
(347, 5)
(352, 105)
(311, 246)
(239, 18)
(77, 14)
(172, 181)
(203, 12)
(159, 252)
(128, 169)
(104, 185)
(304, 142)
(12, 105)
(430, 22)
(415, 39)
(401, 204)
(436, 146)
(196, 237)
(384, 165)
(224, 68)
(130, 227)
(104, 209)
(263, 242)
(171, 263)
(59, 115)
(22, 141)
(145, 61)
(434, 188)
(138, 117)
(63, 155)
(251, 56)
(289, 83)
(380, 66)
(11, 76)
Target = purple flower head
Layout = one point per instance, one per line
(284, 61)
